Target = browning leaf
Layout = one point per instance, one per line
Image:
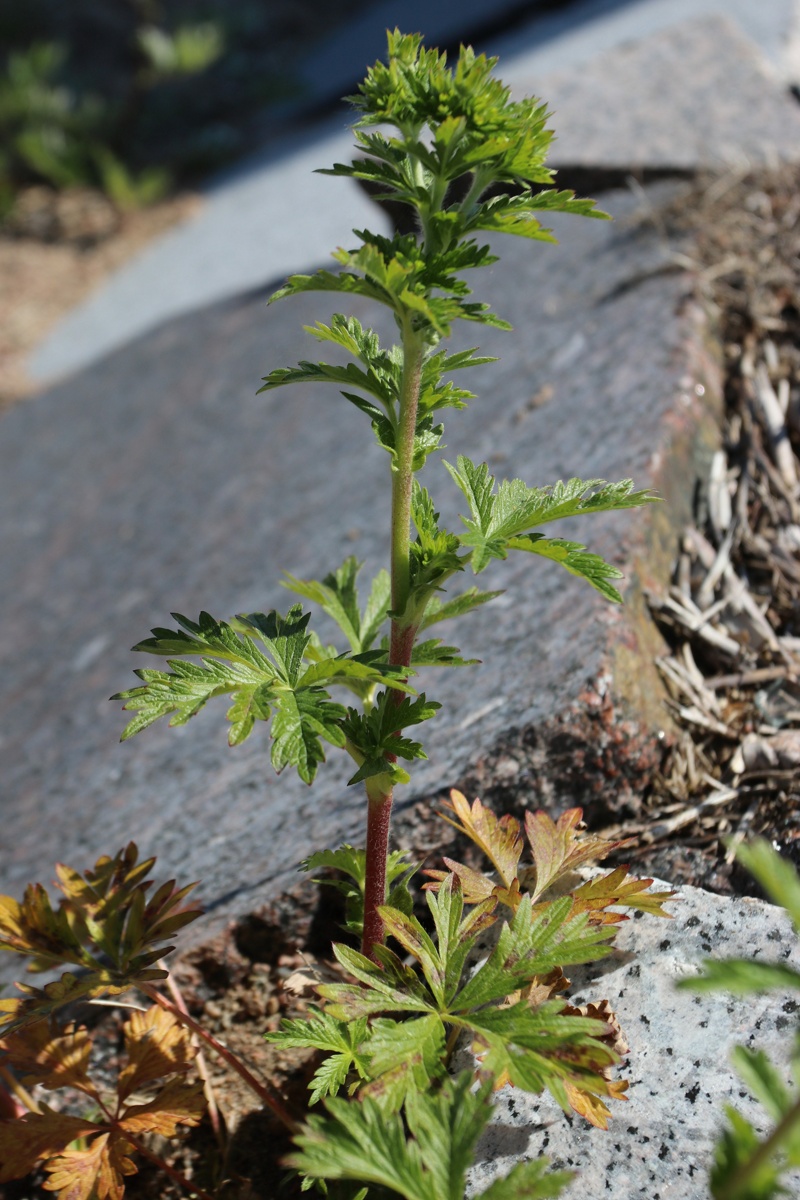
(617, 887)
(93, 1173)
(592, 1107)
(26, 1140)
(157, 1045)
(176, 1104)
(54, 1059)
(500, 838)
(560, 846)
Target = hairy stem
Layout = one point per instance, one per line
(379, 811)
(273, 1102)
(379, 789)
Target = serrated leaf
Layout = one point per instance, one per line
(362, 1142)
(341, 1039)
(176, 1104)
(45, 1055)
(528, 1181)
(619, 889)
(157, 1045)
(499, 838)
(94, 1171)
(26, 1140)
(301, 719)
(530, 946)
(388, 987)
(403, 1056)
(559, 847)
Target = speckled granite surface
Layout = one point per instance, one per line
(659, 1143)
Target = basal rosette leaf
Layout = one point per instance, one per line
(499, 838)
(560, 847)
(342, 1041)
(96, 1170)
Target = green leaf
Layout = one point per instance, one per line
(742, 976)
(738, 1144)
(778, 878)
(438, 610)
(403, 1056)
(388, 987)
(500, 518)
(378, 733)
(528, 1181)
(361, 1142)
(341, 1039)
(352, 863)
(337, 595)
(530, 946)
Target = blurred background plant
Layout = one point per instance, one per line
(133, 99)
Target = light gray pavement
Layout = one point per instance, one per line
(272, 215)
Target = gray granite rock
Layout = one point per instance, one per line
(658, 1145)
(158, 481)
(693, 95)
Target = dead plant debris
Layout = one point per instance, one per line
(732, 614)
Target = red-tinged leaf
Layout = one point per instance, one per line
(561, 846)
(95, 1173)
(176, 1104)
(500, 838)
(157, 1045)
(475, 887)
(43, 1054)
(27, 1140)
(618, 888)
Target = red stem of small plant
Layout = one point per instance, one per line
(273, 1102)
(202, 1066)
(379, 812)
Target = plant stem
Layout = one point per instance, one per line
(200, 1062)
(269, 1098)
(738, 1185)
(401, 642)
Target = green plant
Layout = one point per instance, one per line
(746, 1166)
(466, 159)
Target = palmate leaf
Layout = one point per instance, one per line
(531, 946)
(27, 1140)
(156, 1045)
(50, 1057)
(499, 838)
(275, 685)
(340, 1039)
(389, 987)
(559, 847)
(96, 1170)
(499, 519)
(543, 1048)
(112, 931)
(423, 1154)
(403, 1056)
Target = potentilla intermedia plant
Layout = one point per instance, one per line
(466, 160)
(422, 128)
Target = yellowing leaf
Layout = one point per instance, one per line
(157, 1045)
(560, 846)
(27, 1140)
(500, 838)
(95, 1172)
(176, 1104)
(617, 887)
(591, 1106)
(41, 1002)
(53, 1059)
